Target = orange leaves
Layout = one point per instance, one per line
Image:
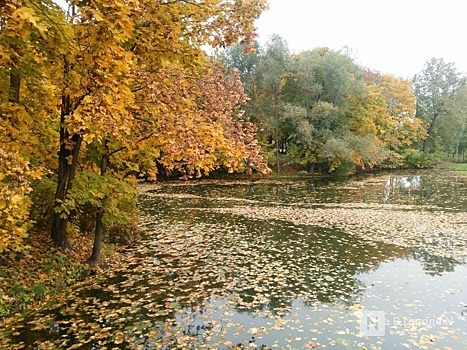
(199, 122)
(137, 78)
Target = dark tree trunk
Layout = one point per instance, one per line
(98, 236)
(67, 163)
(15, 84)
(311, 168)
(276, 136)
(98, 232)
(426, 142)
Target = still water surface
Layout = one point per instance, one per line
(208, 275)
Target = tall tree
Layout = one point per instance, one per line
(113, 89)
(435, 86)
(452, 123)
(327, 84)
(112, 47)
(29, 32)
(397, 127)
(271, 78)
(95, 93)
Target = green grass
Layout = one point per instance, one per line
(453, 166)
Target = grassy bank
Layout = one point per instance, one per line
(453, 166)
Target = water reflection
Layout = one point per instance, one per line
(440, 189)
(435, 265)
(203, 279)
(397, 184)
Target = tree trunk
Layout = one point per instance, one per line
(15, 84)
(276, 136)
(66, 175)
(98, 232)
(311, 168)
(98, 236)
(277, 123)
(426, 142)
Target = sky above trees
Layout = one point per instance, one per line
(395, 36)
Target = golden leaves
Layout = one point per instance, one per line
(128, 74)
(14, 202)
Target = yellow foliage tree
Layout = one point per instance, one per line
(27, 102)
(403, 128)
(120, 81)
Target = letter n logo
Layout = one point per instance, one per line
(373, 324)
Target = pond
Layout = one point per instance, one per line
(372, 262)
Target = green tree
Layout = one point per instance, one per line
(326, 84)
(435, 86)
(271, 72)
(452, 124)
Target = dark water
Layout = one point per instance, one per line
(204, 278)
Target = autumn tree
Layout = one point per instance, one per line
(29, 31)
(205, 132)
(116, 89)
(403, 128)
(396, 126)
(95, 94)
(110, 130)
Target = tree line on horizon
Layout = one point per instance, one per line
(321, 110)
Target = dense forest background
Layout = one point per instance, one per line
(323, 111)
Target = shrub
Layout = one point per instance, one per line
(344, 169)
(419, 159)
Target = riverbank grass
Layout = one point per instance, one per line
(453, 166)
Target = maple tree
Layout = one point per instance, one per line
(89, 73)
(205, 132)
(117, 45)
(26, 103)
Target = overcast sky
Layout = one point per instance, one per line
(392, 36)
